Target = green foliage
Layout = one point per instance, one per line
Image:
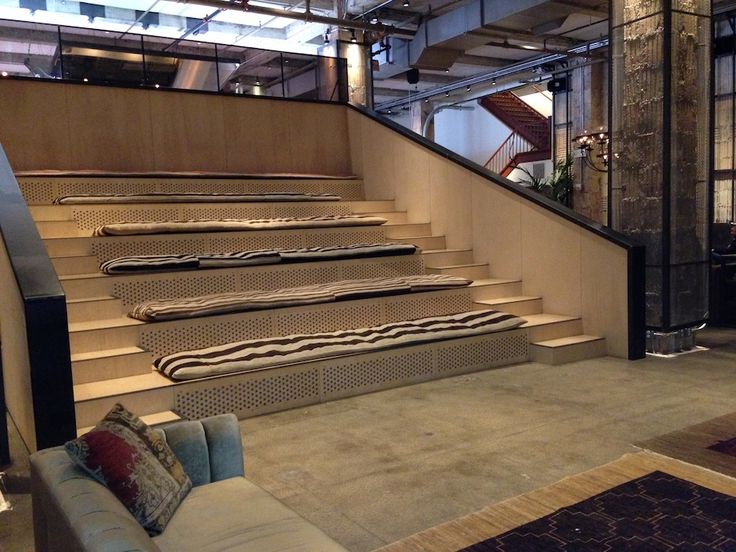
(558, 185)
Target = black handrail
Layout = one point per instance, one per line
(635, 251)
(44, 307)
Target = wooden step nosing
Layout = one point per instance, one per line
(559, 347)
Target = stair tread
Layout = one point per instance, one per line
(479, 282)
(546, 318)
(91, 299)
(445, 250)
(150, 419)
(566, 341)
(64, 277)
(120, 322)
(511, 299)
(466, 265)
(120, 386)
(106, 353)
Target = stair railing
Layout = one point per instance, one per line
(503, 158)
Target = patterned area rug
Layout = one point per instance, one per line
(726, 447)
(655, 512)
(643, 502)
(711, 444)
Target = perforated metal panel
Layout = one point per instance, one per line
(163, 339)
(251, 397)
(231, 211)
(368, 235)
(494, 350)
(273, 240)
(107, 186)
(36, 191)
(205, 185)
(313, 209)
(354, 376)
(135, 291)
(286, 278)
(400, 267)
(347, 190)
(422, 306)
(330, 320)
(88, 218)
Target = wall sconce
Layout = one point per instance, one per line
(593, 146)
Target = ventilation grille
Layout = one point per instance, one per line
(356, 376)
(330, 318)
(249, 397)
(344, 238)
(92, 218)
(45, 190)
(287, 278)
(136, 291)
(495, 350)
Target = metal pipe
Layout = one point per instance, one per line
(308, 17)
(436, 110)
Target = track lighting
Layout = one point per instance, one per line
(326, 39)
(353, 38)
(493, 82)
(467, 88)
(405, 3)
(258, 82)
(447, 94)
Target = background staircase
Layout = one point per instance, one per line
(530, 132)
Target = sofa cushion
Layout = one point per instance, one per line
(237, 515)
(136, 464)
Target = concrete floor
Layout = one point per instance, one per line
(370, 470)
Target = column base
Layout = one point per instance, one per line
(667, 343)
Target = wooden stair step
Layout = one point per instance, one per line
(393, 217)
(404, 230)
(372, 206)
(546, 326)
(422, 242)
(107, 364)
(103, 324)
(142, 394)
(470, 270)
(93, 308)
(519, 305)
(494, 288)
(60, 229)
(154, 419)
(447, 256)
(77, 264)
(568, 349)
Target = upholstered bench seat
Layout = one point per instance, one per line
(235, 514)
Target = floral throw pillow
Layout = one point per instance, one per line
(136, 464)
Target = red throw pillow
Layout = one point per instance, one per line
(136, 464)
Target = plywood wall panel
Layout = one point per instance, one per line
(318, 137)
(188, 132)
(451, 202)
(551, 262)
(604, 283)
(33, 125)
(256, 136)
(109, 128)
(497, 229)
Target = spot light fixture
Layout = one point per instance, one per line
(353, 38)
(326, 38)
(467, 88)
(4, 73)
(405, 3)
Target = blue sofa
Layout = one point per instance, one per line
(224, 511)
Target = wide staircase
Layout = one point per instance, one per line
(112, 353)
(529, 139)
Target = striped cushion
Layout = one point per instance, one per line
(255, 354)
(175, 197)
(149, 263)
(222, 303)
(141, 263)
(235, 225)
(346, 251)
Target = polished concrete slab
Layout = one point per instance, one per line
(373, 469)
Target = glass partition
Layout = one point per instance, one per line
(115, 58)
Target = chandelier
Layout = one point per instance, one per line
(593, 148)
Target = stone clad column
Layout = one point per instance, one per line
(660, 97)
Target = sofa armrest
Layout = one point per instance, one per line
(209, 449)
(73, 512)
